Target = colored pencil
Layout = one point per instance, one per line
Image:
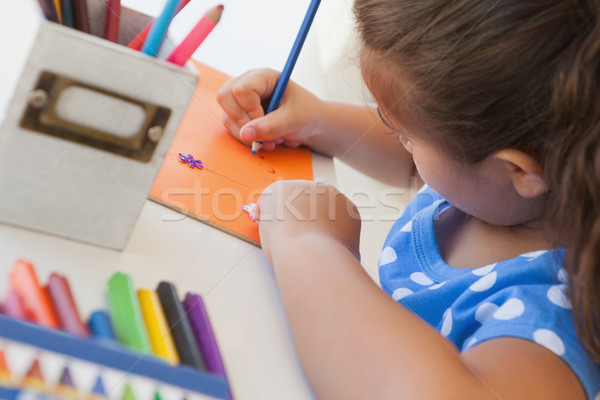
(188, 46)
(126, 314)
(35, 298)
(205, 337)
(81, 15)
(159, 28)
(49, 9)
(64, 304)
(185, 342)
(112, 21)
(34, 379)
(284, 77)
(138, 41)
(67, 13)
(100, 325)
(156, 325)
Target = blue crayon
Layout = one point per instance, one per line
(101, 326)
(157, 33)
(99, 387)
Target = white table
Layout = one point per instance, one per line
(234, 277)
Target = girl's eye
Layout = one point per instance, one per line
(406, 143)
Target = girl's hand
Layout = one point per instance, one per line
(245, 98)
(298, 214)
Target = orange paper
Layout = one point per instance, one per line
(231, 176)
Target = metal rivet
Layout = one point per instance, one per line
(38, 98)
(155, 133)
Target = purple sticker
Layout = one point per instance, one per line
(189, 159)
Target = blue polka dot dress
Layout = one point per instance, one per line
(524, 297)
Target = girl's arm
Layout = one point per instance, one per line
(355, 134)
(355, 342)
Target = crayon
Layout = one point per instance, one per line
(138, 41)
(285, 75)
(34, 379)
(13, 306)
(98, 387)
(49, 9)
(205, 337)
(182, 53)
(126, 314)
(100, 325)
(159, 28)
(35, 298)
(4, 371)
(64, 304)
(67, 13)
(128, 393)
(112, 20)
(81, 15)
(185, 342)
(156, 325)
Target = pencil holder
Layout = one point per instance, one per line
(85, 124)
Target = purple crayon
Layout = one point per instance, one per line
(198, 317)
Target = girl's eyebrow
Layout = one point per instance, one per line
(384, 120)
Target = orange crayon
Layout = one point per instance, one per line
(34, 379)
(4, 371)
(35, 298)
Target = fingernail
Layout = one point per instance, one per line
(247, 133)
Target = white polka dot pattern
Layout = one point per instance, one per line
(511, 309)
(549, 340)
(484, 283)
(407, 227)
(470, 343)
(558, 295)
(485, 312)
(447, 323)
(483, 270)
(401, 293)
(437, 286)
(388, 255)
(562, 276)
(420, 278)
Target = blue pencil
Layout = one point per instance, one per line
(159, 28)
(284, 78)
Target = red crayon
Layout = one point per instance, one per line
(35, 298)
(111, 23)
(138, 41)
(64, 304)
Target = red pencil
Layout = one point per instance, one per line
(138, 41)
(111, 23)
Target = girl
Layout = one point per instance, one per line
(491, 275)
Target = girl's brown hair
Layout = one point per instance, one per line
(492, 74)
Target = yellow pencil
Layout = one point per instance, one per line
(156, 325)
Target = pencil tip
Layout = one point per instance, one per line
(253, 152)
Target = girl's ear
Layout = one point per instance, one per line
(525, 172)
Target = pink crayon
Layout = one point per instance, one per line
(188, 46)
(64, 304)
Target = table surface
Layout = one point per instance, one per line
(234, 278)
